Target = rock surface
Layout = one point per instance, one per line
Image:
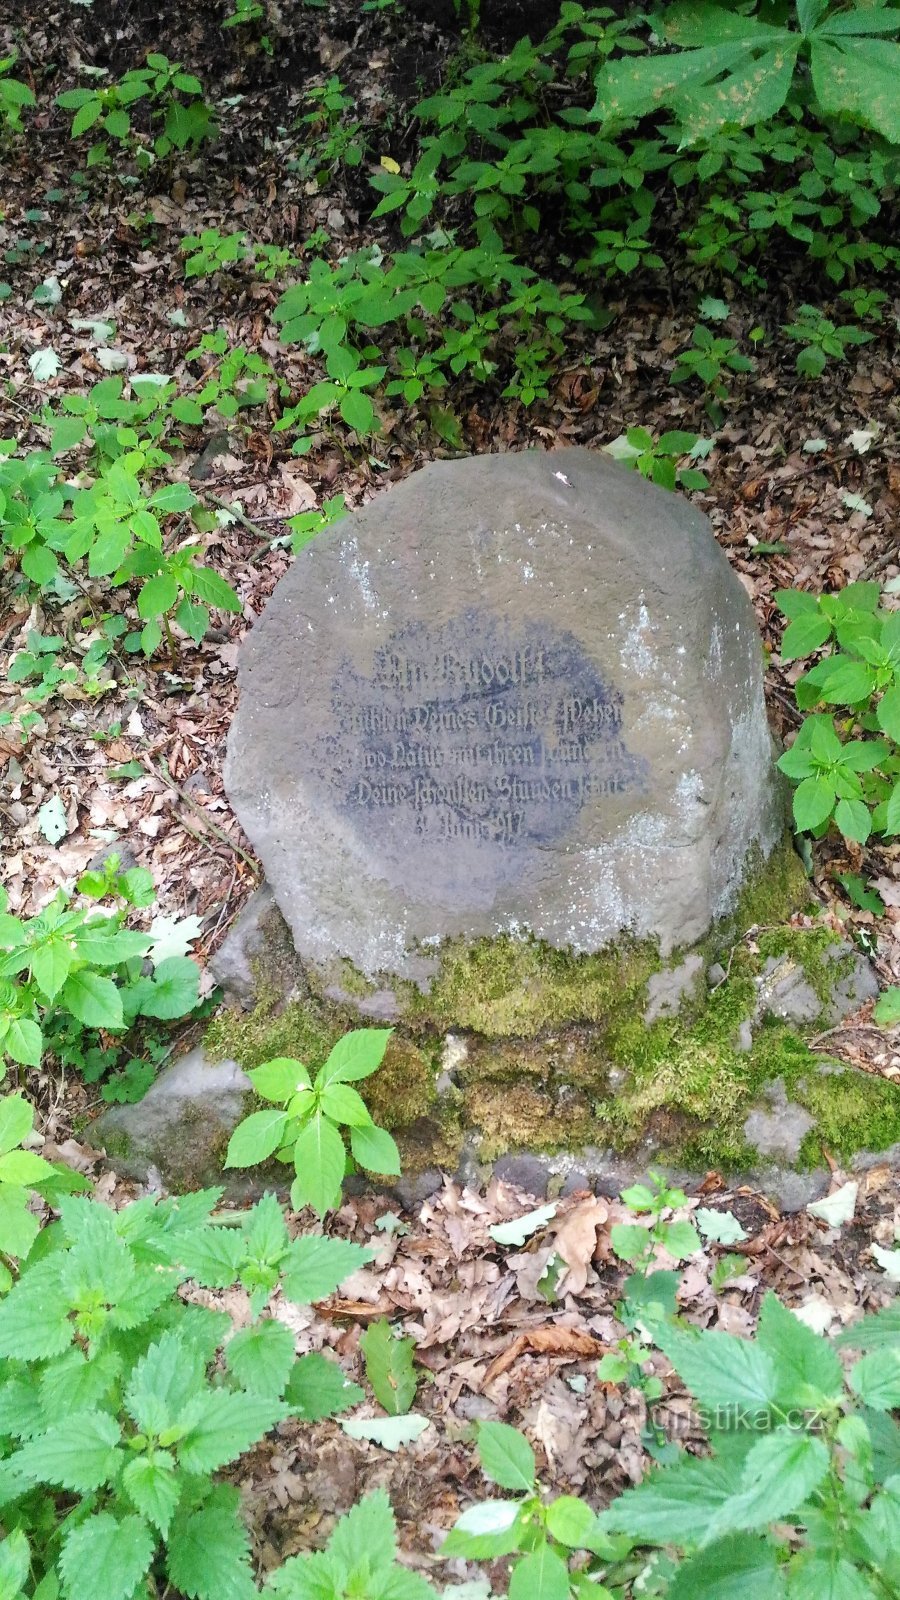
(178, 1133)
(516, 693)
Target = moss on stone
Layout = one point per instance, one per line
(853, 1110)
(517, 987)
(774, 889)
(303, 1030)
(814, 950)
(515, 1117)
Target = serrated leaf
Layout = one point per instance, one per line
(95, 1001)
(172, 936)
(720, 1369)
(209, 1552)
(733, 1568)
(105, 1556)
(315, 1265)
(16, 1121)
(23, 1041)
(389, 1367)
(280, 1079)
(390, 1432)
(318, 1388)
(262, 1356)
(719, 1227)
(806, 1365)
(173, 991)
(221, 1426)
(44, 365)
(542, 1575)
(677, 1504)
(80, 1453)
(506, 1457)
(375, 1149)
(876, 1378)
(781, 1471)
(356, 1055)
(153, 1487)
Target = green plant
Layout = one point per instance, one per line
(801, 1493)
(209, 251)
(185, 121)
(23, 1176)
(359, 1559)
(657, 458)
(234, 379)
(710, 359)
(39, 666)
(14, 96)
(78, 964)
(853, 782)
(821, 339)
(543, 1534)
(331, 138)
(306, 1128)
(122, 1403)
(735, 69)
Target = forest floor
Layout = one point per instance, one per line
(141, 767)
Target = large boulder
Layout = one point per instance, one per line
(513, 695)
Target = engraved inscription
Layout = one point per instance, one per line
(477, 730)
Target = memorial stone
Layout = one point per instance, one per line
(517, 695)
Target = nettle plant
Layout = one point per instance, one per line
(75, 965)
(845, 762)
(25, 1178)
(121, 1403)
(306, 1118)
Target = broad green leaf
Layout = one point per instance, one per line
(174, 989)
(23, 1041)
(572, 1522)
(35, 1315)
(318, 1388)
(23, 1168)
(209, 1551)
(95, 1001)
(221, 1426)
(813, 802)
(80, 1453)
(808, 632)
(484, 1531)
(389, 1367)
(887, 1010)
(19, 1227)
(320, 1161)
(51, 964)
(542, 1575)
(15, 1562)
(737, 1567)
(818, 1578)
(888, 712)
(807, 1367)
(859, 77)
(278, 1080)
(781, 1472)
(721, 1370)
(356, 1055)
(366, 1536)
(343, 1104)
(162, 1382)
(157, 596)
(315, 1265)
(754, 92)
(375, 1149)
(876, 1378)
(676, 1505)
(262, 1356)
(256, 1138)
(506, 1457)
(106, 1556)
(104, 945)
(153, 1487)
(854, 819)
(16, 1121)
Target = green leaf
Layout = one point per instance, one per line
(887, 1009)
(157, 596)
(486, 1530)
(320, 1161)
(15, 1562)
(209, 1551)
(858, 77)
(19, 1227)
(105, 1556)
(80, 1453)
(677, 1505)
(23, 1041)
(780, 1473)
(356, 1055)
(506, 1457)
(807, 633)
(221, 1426)
(262, 1356)
(162, 1382)
(358, 411)
(153, 1487)
(888, 712)
(95, 1001)
(256, 1138)
(813, 802)
(24, 1168)
(279, 1080)
(542, 1575)
(876, 1378)
(375, 1149)
(214, 590)
(854, 819)
(719, 1369)
(733, 1568)
(314, 1265)
(389, 1367)
(847, 682)
(51, 964)
(174, 990)
(317, 1388)
(821, 1578)
(366, 1536)
(344, 1105)
(173, 497)
(16, 1121)
(807, 1368)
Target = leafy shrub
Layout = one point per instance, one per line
(306, 1129)
(853, 782)
(122, 1403)
(186, 121)
(821, 340)
(710, 359)
(84, 966)
(22, 1176)
(656, 458)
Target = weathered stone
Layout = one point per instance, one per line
(846, 981)
(670, 988)
(516, 695)
(179, 1132)
(257, 954)
(779, 1129)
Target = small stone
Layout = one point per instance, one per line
(670, 989)
(716, 975)
(531, 1173)
(780, 1130)
(257, 950)
(743, 1039)
(786, 992)
(182, 1125)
